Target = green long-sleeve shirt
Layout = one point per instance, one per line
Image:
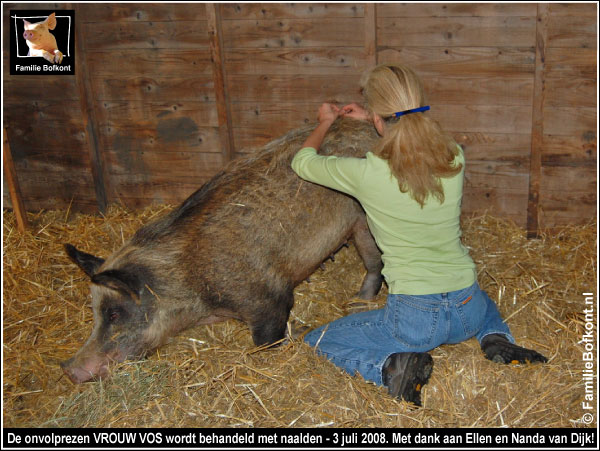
(422, 251)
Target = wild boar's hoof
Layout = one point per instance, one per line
(498, 349)
(268, 332)
(370, 286)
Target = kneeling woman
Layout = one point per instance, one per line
(410, 187)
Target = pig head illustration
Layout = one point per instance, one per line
(41, 42)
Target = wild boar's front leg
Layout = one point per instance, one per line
(268, 324)
(371, 256)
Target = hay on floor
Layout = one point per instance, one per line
(212, 376)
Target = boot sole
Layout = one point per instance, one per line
(409, 380)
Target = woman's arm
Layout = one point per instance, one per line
(328, 113)
(342, 174)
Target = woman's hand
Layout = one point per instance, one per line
(356, 112)
(328, 113)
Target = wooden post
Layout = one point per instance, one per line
(88, 114)
(537, 130)
(223, 109)
(371, 34)
(13, 184)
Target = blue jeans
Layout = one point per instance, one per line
(363, 341)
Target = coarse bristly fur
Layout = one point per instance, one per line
(236, 248)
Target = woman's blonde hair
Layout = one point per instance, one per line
(417, 149)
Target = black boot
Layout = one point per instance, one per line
(497, 348)
(405, 374)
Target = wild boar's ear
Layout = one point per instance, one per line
(51, 21)
(122, 281)
(26, 24)
(87, 262)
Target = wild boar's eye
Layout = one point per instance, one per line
(114, 314)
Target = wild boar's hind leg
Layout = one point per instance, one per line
(269, 325)
(371, 256)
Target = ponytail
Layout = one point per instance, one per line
(418, 151)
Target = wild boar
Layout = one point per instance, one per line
(41, 42)
(236, 248)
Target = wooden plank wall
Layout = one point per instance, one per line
(152, 80)
(283, 61)
(568, 183)
(152, 84)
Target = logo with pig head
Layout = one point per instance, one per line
(42, 42)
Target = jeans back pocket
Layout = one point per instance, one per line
(471, 312)
(411, 322)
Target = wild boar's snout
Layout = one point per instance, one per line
(92, 369)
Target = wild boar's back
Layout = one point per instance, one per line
(257, 216)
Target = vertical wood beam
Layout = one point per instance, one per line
(88, 113)
(222, 98)
(537, 129)
(371, 34)
(13, 184)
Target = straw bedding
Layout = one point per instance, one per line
(213, 376)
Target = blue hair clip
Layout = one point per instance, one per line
(414, 110)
